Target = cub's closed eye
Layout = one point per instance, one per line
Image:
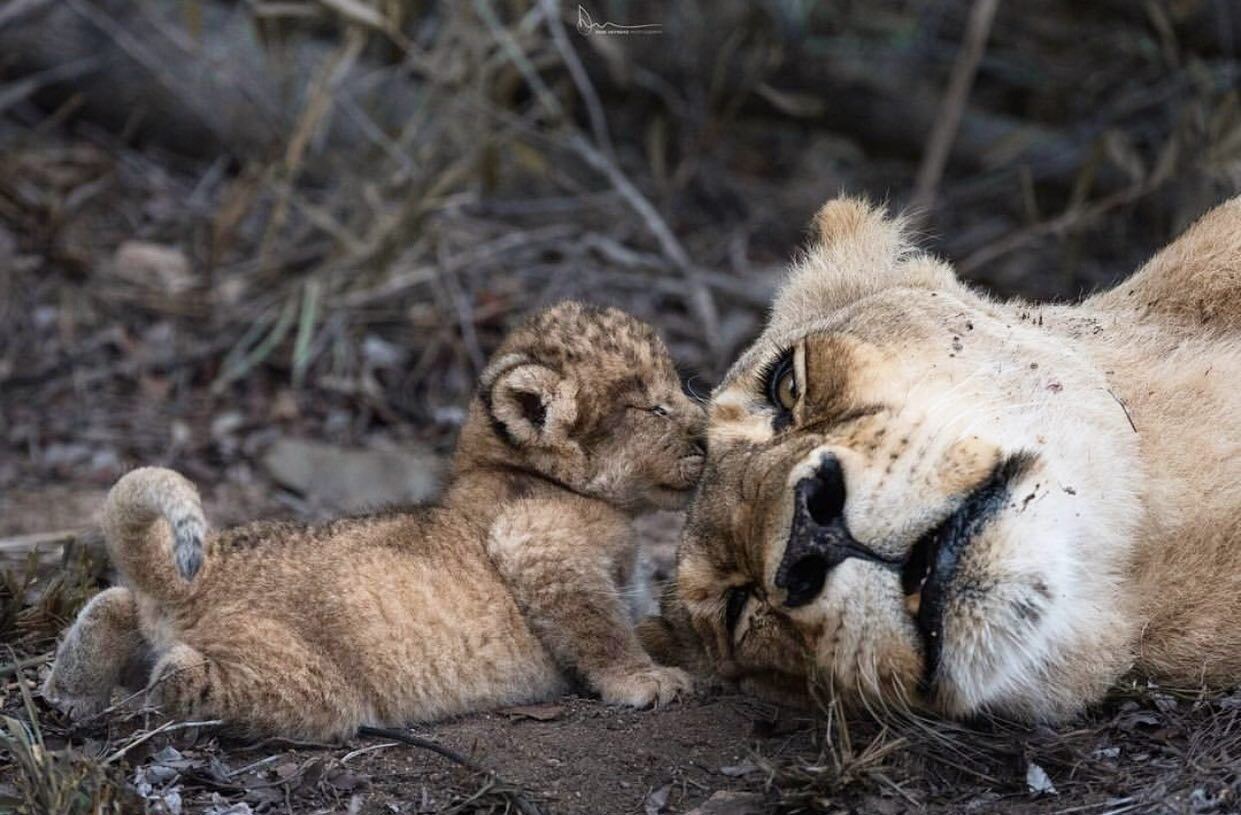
(659, 410)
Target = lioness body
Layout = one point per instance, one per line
(512, 585)
(917, 495)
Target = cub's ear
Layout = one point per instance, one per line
(535, 405)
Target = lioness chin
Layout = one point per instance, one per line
(917, 495)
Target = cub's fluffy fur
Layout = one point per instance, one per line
(919, 495)
(513, 583)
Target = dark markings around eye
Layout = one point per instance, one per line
(822, 425)
(737, 597)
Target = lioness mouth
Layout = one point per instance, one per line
(932, 564)
(819, 540)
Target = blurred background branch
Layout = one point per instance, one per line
(224, 223)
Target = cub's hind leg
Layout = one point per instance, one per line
(263, 681)
(181, 683)
(99, 650)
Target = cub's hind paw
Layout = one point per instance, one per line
(76, 705)
(644, 686)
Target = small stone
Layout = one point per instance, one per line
(154, 266)
(1038, 781)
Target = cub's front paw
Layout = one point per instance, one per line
(644, 686)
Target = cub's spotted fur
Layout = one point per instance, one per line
(496, 596)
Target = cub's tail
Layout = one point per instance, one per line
(154, 527)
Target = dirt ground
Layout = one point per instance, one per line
(717, 753)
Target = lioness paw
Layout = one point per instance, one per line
(643, 687)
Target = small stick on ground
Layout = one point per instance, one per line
(21, 664)
(166, 727)
(523, 804)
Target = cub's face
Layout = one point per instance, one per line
(591, 398)
(911, 495)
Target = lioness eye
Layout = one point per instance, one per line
(786, 390)
(781, 383)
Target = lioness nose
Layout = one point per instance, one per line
(819, 538)
(821, 497)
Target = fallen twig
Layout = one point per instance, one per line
(581, 79)
(22, 664)
(166, 727)
(1074, 217)
(523, 804)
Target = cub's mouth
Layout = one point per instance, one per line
(819, 540)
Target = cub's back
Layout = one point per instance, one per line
(405, 608)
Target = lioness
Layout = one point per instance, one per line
(492, 598)
(917, 495)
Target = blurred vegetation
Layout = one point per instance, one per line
(323, 214)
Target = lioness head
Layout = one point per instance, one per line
(912, 494)
(591, 398)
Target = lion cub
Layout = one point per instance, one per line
(494, 597)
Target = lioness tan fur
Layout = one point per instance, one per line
(917, 495)
(512, 585)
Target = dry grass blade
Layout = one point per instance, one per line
(35, 608)
(57, 782)
(841, 774)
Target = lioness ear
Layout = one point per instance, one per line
(844, 220)
(857, 251)
(533, 405)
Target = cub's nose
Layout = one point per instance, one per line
(819, 539)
